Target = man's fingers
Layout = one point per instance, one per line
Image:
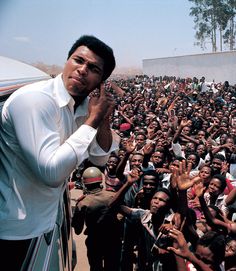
(173, 250)
(189, 168)
(197, 180)
(102, 90)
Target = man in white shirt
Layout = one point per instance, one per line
(48, 129)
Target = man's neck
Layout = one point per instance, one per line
(78, 101)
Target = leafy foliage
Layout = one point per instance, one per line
(214, 21)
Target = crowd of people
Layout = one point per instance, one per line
(155, 157)
(170, 187)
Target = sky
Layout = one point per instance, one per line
(44, 30)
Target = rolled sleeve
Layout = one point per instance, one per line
(97, 155)
(80, 141)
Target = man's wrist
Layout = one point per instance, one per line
(190, 256)
(93, 122)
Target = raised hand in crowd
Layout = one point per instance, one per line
(182, 250)
(181, 176)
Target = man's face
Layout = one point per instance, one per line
(201, 149)
(82, 72)
(121, 154)
(192, 159)
(165, 126)
(157, 158)
(233, 131)
(205, 173)
(205, 254)
(136, 161)
(149, 183)
(159, 201)
(112, 163)
(219, 115)
(216, 165)
(201, 135)
(186, 130)
(214, 187)
(190, 147)
(116, 123)
(230, 249)
(174, 165)
(140, 140)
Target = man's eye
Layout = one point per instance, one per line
(78, 60)
(94, 69)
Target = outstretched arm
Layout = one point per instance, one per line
(129, 148)
(231, 197)
(183, 251)
(132, 177)
(211, 221)
(148, 150)
(183, 123)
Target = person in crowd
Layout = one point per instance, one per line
(214, 193)
(140, 141)
(150, 183)
(194, 159)
(208, 256)
(230, 254)
(48, 129)
(112, 183)
(130, 228)
(103, 252)
(151, 219)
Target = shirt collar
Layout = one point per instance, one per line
(61, 94)
(63, 98)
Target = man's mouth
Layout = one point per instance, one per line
(210, 190)
(78, 80)
(154, 207)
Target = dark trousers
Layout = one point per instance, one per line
(130, 240)
(12, 253)
(103, 253)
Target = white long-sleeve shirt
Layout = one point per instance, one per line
(42, 141)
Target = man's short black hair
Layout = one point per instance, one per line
(166, 191)
(219, 156)
(216, 243)
(114, 155)
(222, 180)
(151, 172)
(99, 48)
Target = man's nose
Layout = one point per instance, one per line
(83, 69)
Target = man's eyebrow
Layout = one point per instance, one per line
(93, 65)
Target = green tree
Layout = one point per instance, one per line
(214, 18)
(230, 31)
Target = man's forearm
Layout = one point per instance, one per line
(104, 136)
(200, 265)
(181, 264)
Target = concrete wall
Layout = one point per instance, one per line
(219, 67)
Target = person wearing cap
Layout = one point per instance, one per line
(103, 229)
(124, 129)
